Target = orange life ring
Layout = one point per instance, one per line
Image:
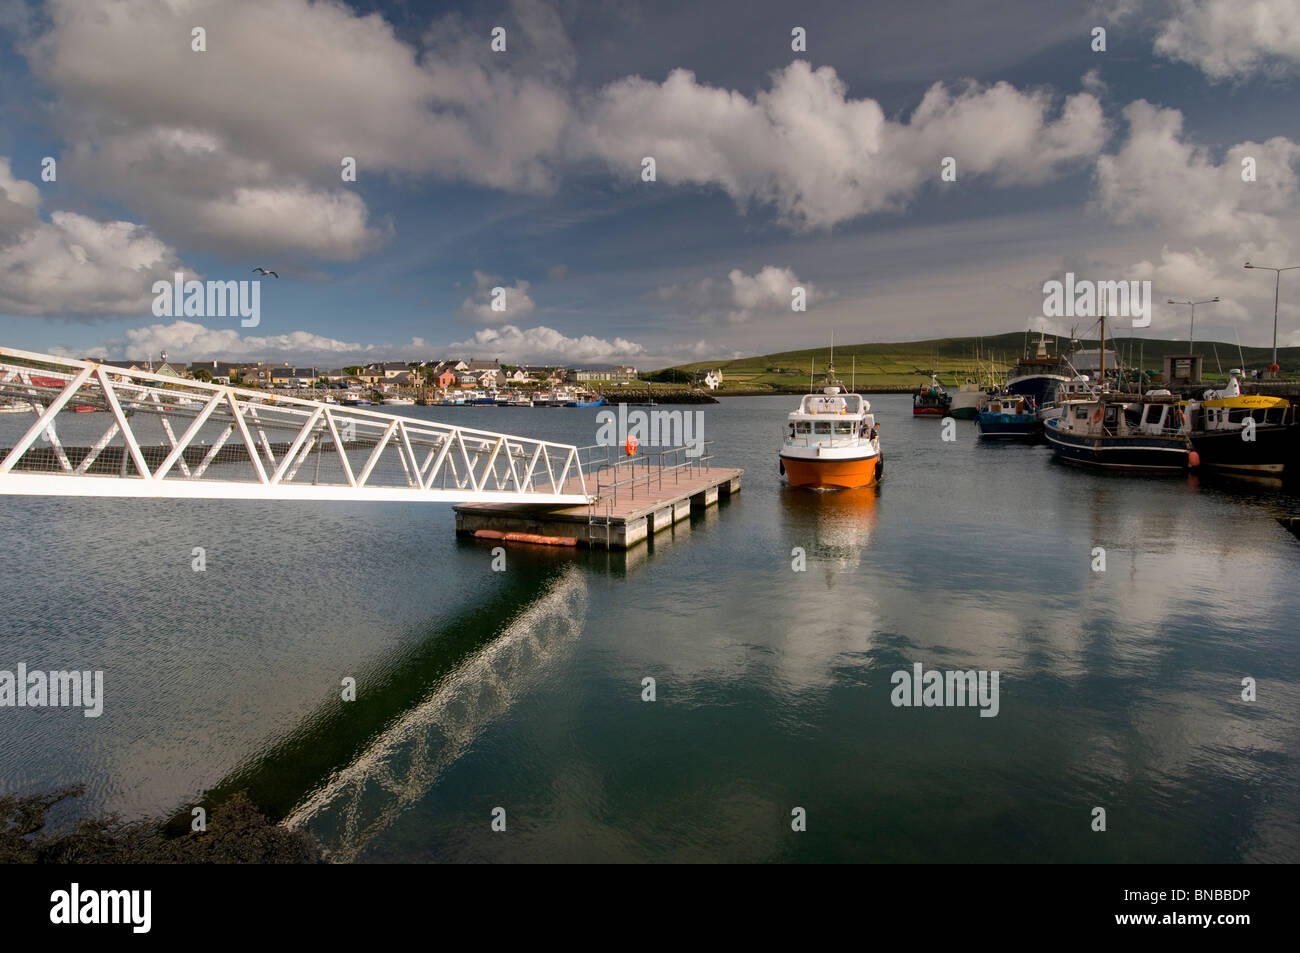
(630, 445)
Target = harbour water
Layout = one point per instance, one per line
(523, 689)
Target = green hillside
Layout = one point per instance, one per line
(953, 359)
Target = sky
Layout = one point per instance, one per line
(132, 149)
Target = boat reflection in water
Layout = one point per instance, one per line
(834, 529)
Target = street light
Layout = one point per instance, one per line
(1192, 329)
(1277, 281)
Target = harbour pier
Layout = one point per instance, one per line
(635, 497)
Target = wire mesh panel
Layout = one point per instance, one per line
(84, 429)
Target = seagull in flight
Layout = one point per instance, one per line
(263, 271)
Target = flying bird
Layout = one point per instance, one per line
(263, 271)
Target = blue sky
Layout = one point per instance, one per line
(521, 169)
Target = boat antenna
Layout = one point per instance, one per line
(812, 372)
(853, 375)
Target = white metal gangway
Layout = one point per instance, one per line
(100, 430)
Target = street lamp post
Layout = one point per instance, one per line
(1191, 331)
(1277, 281)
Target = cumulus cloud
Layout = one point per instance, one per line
(185, 340)
(1209, 220)
(820, 157)
(1233, 39)
(1159, 176)
(546, 345)
(742, 296)
(243, 143)
(72, 264)
(518, 303)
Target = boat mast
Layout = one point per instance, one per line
(1102, 377)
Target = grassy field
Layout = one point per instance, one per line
(954, 359)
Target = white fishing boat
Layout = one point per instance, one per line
(399, 401)
(16, 407)
(831, 440)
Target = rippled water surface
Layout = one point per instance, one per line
(523, 689)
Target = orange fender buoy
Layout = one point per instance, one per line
(630, 445)
(1193, 458)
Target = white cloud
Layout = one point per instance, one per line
(518, 303)
(1233, 39)
(72, 264)
(1206, 221)
(546, 345)
(185, 340)
(1158, 176)
(820, 157)
(767, 292)
(241, 145)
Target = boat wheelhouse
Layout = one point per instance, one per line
(831, 441)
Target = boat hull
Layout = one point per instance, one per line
(929, 411)
(964, 413)
(1009, 426)
(1136, 453)
(832, 474)
(1273, 450)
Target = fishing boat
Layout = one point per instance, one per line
(931, 400)
(1123, 432)
(399, 401)
(966, 402)
(1039, 376)
(1009, 417)
(585, 400)
(1245, 433)
(16, 407)
(355, 400)
(831, 441)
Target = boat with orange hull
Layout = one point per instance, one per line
(831, 441)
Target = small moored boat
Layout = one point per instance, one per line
(931, 400)
(1009, 416)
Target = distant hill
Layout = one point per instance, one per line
(954, 358)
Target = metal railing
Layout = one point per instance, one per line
(616, 472)
(172, 437)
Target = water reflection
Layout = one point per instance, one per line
(834, 527)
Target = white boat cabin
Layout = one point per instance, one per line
(830, 419)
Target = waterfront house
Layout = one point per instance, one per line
(712, 379)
